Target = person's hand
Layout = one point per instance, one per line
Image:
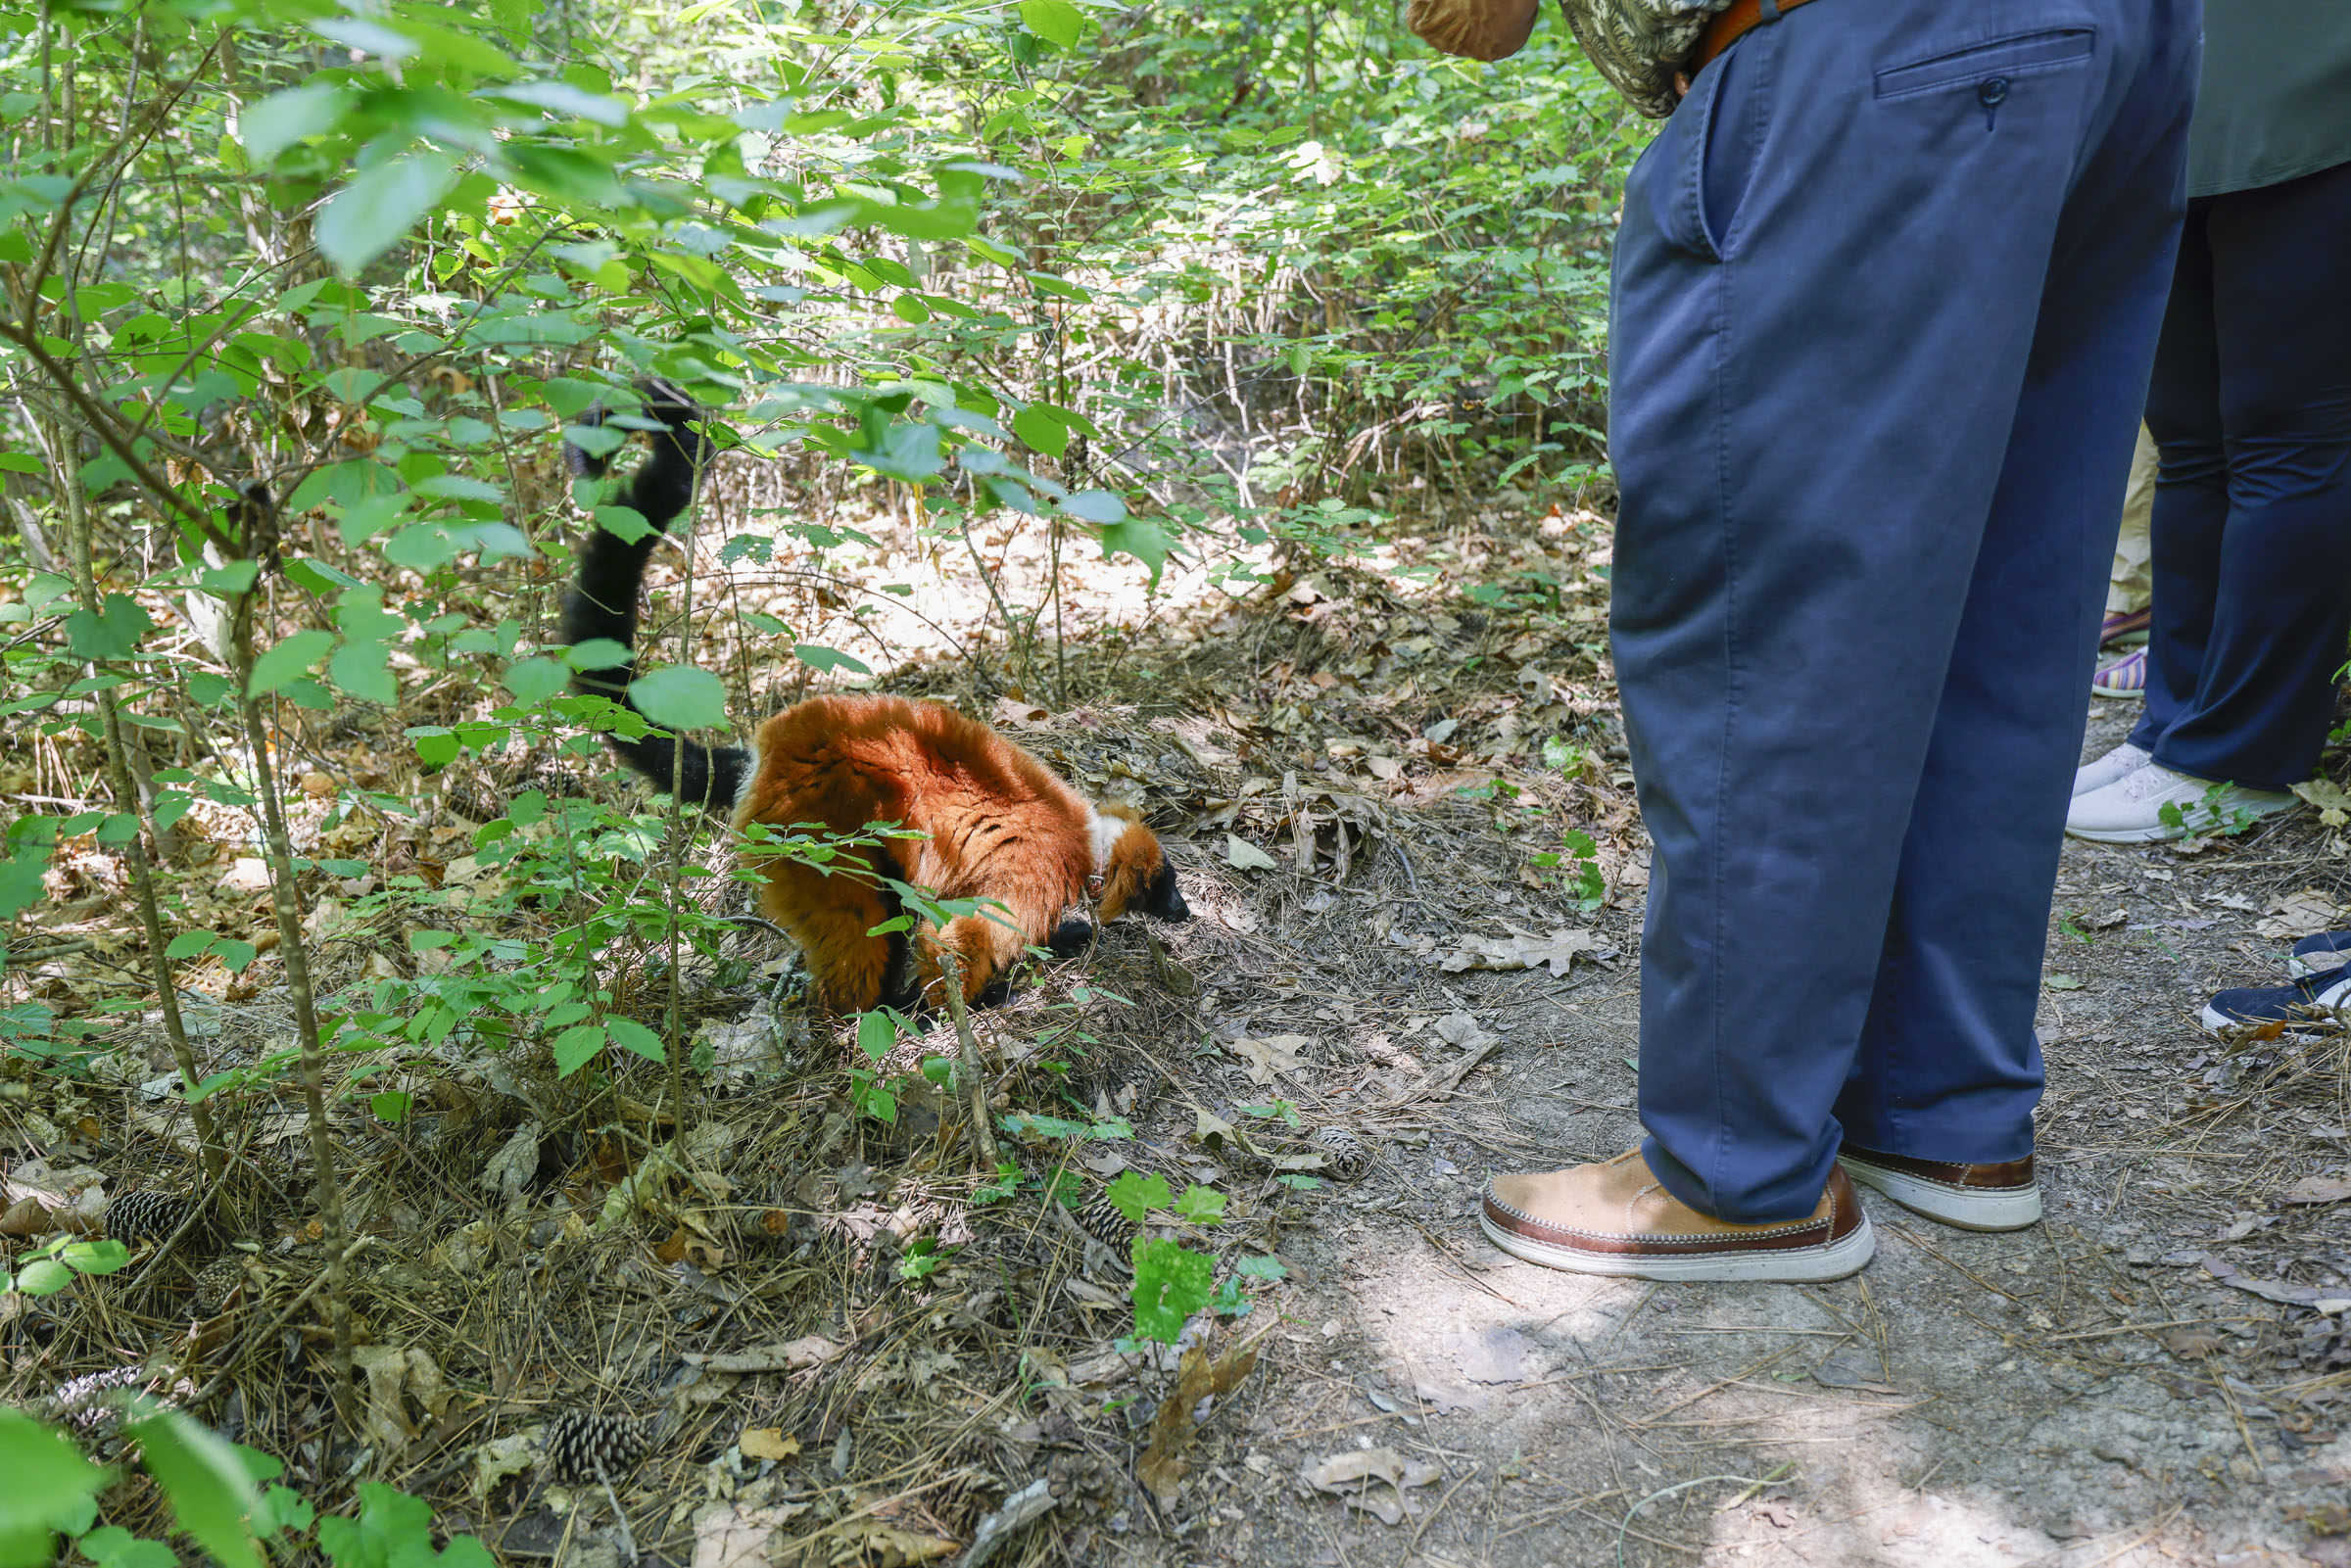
(1474, 29)
(1681, 85)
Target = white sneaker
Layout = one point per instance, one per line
(2131, 809)
(2099, 772)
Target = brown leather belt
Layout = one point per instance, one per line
(1728, 27)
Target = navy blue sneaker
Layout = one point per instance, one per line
(2324, 951)
(2278, 1004)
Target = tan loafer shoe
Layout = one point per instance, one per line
(1615, 1218)
(2001, 1197)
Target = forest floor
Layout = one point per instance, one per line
(1351, 771)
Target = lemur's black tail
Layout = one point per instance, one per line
(602, 602)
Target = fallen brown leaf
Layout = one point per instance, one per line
(1273, 1058)
(792, 1355)
(2314, 1190)
(729, 1536)
(2300, 914)
(768, 1442)
(1198, 1382)
(1349, 1472)
(2192, 1344)
(1011, 713)
(1520, 950)
(887, 1546)
(2321, 1518)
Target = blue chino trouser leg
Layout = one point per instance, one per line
(1886, 295)
(2251, 408)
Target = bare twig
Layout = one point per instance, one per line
(128, 799)
(285, 900)
(968, 1065)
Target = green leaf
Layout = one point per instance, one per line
(534, 681)
(435, 747)
(467, 1552)
(279, 120)
(1057, 22)
(43, 1473)
(1096, 507)
(321, 578)
(45, 1276)
(365, 670)
(1243, 855)
(210, 1495)
(625, 523)
(1139, 538)
(1171, 1282)
(562, 98)
(1135, 1194)
(21, 886)
(284, 1508)
(374, 211)
(288, 662)
(392, 1526)
(237, 577)
(596, 653)
(1201, 1206)
(1042, 425)
(187, 944)
(678, 696)
(828, 659)
(391, 1107)
(631, 1035)
(236, 955)
(113, 1546)
(575, 1048)
(94, 1257)
(112, 633)
(877, 1032)
(366, 516)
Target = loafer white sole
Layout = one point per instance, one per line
(1835, 1259)
(1947, 1203)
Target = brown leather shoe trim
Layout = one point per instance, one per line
(2007, 1173)
(1840, 1216)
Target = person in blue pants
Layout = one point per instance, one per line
(1886, 295)
(2251, 408)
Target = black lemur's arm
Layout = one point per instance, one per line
(602, 602)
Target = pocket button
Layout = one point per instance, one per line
(1991, 91)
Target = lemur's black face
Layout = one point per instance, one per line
(1161, 899)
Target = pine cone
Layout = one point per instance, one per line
(1344, 1157)
(472, 797)
(218, 1284)
(577, 1441)
(92, 1404)
(1102, 1224)
(145, 1215)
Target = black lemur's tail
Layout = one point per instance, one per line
(602, 602)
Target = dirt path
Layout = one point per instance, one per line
(1358, 773)
(2083, 1393)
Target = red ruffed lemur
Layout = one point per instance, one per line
(999, 824)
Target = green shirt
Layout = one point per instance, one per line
(2275, 101)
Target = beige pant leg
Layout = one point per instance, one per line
(2129, 587)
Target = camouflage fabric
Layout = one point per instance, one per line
(1639, 45)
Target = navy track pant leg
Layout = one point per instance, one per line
(1886, 295)
(2251, 409)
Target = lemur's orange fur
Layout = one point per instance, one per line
(1001, 826)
